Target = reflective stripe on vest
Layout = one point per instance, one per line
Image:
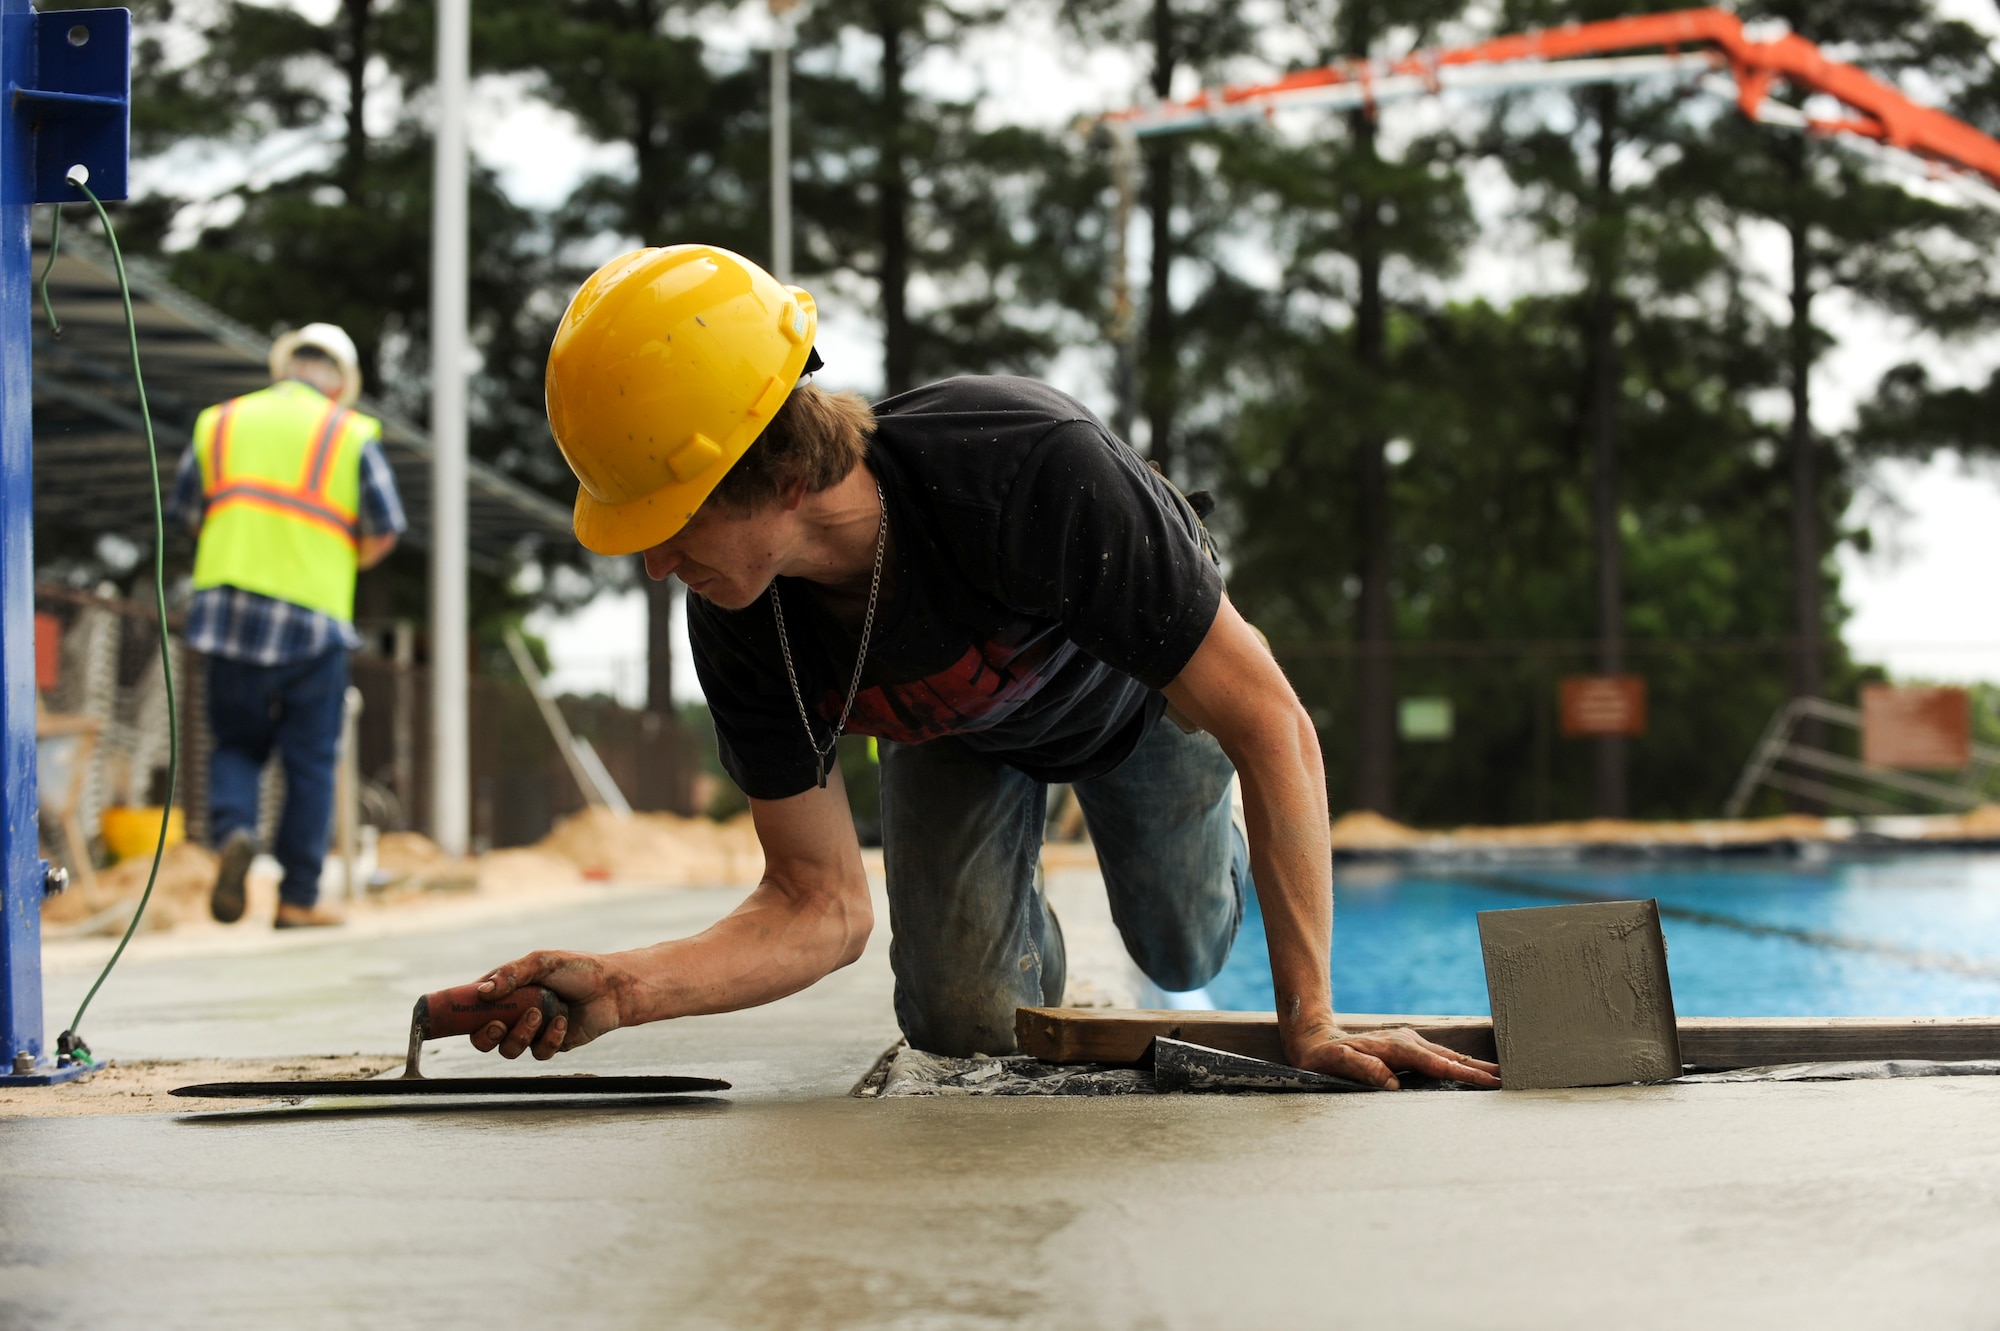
(281, 474)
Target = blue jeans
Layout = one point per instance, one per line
(296, 708)
(972, 940)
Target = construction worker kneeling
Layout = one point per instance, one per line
(289, 495)
(981, 575)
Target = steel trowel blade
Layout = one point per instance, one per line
(574, 1084)
(1180, 1066)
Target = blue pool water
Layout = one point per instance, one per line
(1910, 936)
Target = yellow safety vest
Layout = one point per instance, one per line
(281, 471)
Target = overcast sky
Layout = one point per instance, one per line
(1922, 601)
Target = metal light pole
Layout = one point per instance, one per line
(450, 802)
(784, 25)
(1124, 147)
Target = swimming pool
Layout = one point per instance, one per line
(1908, 936)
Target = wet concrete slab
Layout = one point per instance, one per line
(332, 993)
(786, 1204)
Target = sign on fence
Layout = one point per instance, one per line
(1602, 706)
(1925, 728)
(1424, 719)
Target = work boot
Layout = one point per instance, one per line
(304, 917)
(225, 900)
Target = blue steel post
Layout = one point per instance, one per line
(64, 101)
(21, 939)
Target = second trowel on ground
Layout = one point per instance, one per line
(1580, 995)
(1180, 1066)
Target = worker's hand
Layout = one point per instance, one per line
(589, 984)
(1376, 1058)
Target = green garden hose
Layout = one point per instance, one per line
(70, 1045)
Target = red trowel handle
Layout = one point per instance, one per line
(462, 1011)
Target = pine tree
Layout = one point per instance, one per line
(1349, 214)
(328, 219)
(1610, 416)
(1849, 225)
(1639, 244)
(633, 74)
(1184, 203)
(983, 247)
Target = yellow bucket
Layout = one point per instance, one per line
(133, 832)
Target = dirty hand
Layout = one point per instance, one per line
(1376, 1057)
(588, 983)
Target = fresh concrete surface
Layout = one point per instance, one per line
(785, 1204)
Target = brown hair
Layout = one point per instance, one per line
(817, 437)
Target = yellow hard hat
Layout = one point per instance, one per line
(667, 366)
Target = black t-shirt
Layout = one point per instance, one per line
(1047, 584)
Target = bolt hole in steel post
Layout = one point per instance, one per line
(79, 35)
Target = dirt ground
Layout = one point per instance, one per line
(142, 1087)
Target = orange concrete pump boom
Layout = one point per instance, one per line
(1692, 42)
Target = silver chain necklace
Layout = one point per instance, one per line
(822, 756)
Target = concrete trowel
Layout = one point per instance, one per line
(462, 1011)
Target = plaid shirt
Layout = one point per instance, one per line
(243, 626)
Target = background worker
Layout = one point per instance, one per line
(289, 495)
(980, 574)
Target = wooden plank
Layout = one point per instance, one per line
(1749, 1042)
(1122, 1036)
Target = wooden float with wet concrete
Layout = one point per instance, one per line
(1580, 994)
(1123, 1035)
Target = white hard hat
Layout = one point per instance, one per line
(329, 339)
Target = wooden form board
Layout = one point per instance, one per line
(1122, 1035)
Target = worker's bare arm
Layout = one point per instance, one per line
(809, 916)
(1234, 689)
(374, 549)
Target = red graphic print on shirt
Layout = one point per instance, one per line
(980, 689)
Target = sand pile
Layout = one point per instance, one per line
(1363, 830)
(1370, 831)
(411, 861)
(1614, 831)
(523, 870)
(658, 848)
(1983, 821)
(187, 872)
(594, 845)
